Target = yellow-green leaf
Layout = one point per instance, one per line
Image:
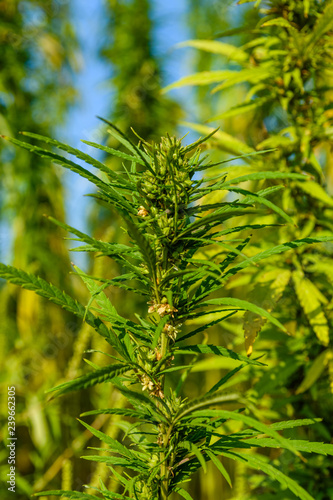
(278, 21)
(242, 108)
(314, 190)
(323, 25)
(223, 141)
(268, 291)
(253, 75)
(216, 47)
(202, 78)
(307, 294)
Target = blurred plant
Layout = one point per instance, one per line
(37, 60)
(285, 72)
(158, 198)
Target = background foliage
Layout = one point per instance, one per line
(274, 65)
(282, 77)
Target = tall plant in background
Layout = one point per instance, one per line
(137, 71)
(285, 69)
(163, 205)
(37, 61)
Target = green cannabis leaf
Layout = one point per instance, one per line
(162, 200)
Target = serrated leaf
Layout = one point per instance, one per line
(97, 293)
(204, 402)
(279, 21)
(279, 426)
(244, 304)
(109, 312)
(141, 402)
(226, 185)
(205, 327)
(136, 465)
(201, 140)
(256, 176)
(253, 75)
(114, 445)
(214, 219)
(274, 251)
(251, 422)
(290, 424)
(217, 350)
(62, 161)
(75, 495)
(105, 374)
(241, 108)
(258, 463)
(223, 141)
(255, 197)
(115, 152)
(174, 369)
(123, 139)
(245, 157)
(202, 78)
(126, 412)
(192, 448)
(218, 464)
(108, 249)
(82, 156)
(224, 379)
(53, 294)
(314, 190)
(300, 445)
(183, 493)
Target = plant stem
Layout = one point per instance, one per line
(164, 468)
(165, 482)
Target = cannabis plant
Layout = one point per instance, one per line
(161, 196)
